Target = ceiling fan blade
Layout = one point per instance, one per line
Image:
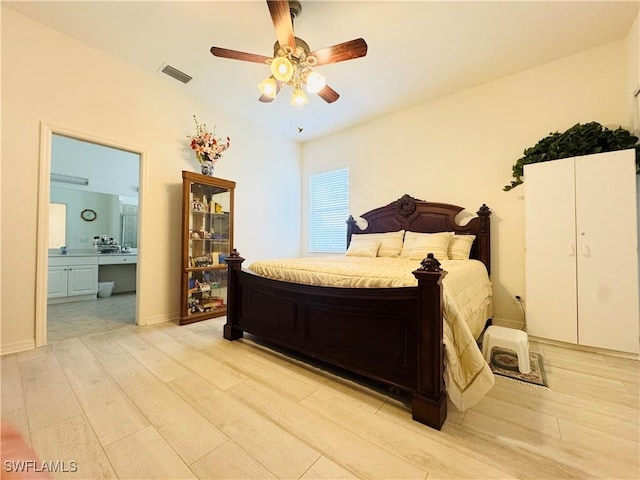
(328, 94)
(236, 55)
(266, 98)
(281, 18)
(343, 51)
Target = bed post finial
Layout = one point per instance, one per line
(430, 264)
(235, 255)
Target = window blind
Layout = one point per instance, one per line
(328, 211)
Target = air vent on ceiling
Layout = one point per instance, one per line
(177, 74)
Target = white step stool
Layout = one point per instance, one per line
(510, 338)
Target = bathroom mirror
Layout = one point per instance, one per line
(116, 216)
(57, 225)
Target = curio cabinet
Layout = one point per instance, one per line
(207, 239)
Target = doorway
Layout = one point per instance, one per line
(99, 183)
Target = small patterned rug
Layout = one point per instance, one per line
(505, 362)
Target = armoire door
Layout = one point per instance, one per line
(607, 251)
(550, 250)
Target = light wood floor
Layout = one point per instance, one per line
(181, 402)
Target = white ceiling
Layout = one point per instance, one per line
(418, 50)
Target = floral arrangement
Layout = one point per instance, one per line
(206, 146)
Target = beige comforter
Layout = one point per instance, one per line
(467, 306)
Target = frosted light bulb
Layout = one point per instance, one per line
(268, 87)
(298, 98)
(315, 82)
(282, 69)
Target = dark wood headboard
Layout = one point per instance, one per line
(411, 214)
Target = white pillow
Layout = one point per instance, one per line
(390, 242)
(410, 238)
(362, 248)
(460, 247)
(436, 243)
(407, 244)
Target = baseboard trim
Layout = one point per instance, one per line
(155, 319)
(17, 347)
(508, 323)
(585, 348)
(74, 298)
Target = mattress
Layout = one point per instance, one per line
(356, 272)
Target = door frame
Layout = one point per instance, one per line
(42, 233)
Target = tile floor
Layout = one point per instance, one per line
(75, 319)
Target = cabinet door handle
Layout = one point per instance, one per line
(572, 250)
(586, 252)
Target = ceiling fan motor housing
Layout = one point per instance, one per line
(302, 49)
(295, 8)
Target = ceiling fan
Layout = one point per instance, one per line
(293, 61)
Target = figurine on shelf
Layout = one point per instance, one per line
(203, 261)
(196, 307)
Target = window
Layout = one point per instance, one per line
(328, 211)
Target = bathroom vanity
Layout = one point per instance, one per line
(74, 277)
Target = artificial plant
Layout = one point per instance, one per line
(581, 139)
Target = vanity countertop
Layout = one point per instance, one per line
(58, 259)
(89, 253)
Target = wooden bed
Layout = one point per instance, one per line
(392, 335)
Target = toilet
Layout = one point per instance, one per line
(105, 289)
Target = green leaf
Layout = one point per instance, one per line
(581, 139)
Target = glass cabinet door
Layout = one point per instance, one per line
(207, 241)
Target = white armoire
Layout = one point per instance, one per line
(581, 244)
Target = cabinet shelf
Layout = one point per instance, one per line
(197, 317)
(221, 240)
(207, 214)
(222, 266)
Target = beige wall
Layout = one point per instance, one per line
(460, 149)
(633, 75)
(51, 78)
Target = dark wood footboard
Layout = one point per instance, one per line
(392, 335)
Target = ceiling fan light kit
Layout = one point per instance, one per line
(298, 98)
(282, 69)
(292, 61)
(268, 87)
(315, 82)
